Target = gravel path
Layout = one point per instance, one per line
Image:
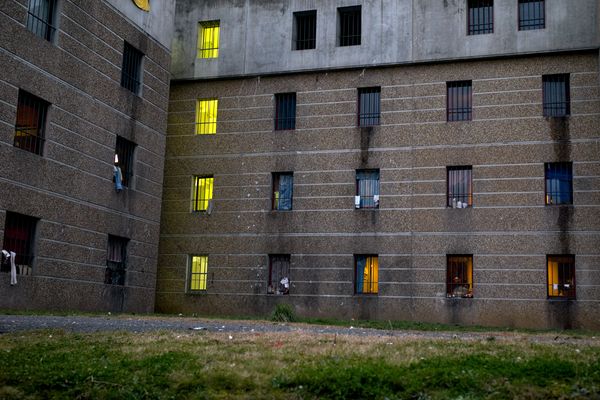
(90, 324)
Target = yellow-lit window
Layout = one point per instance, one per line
(459, 276)
(561, 276)
(367, 274)
(206, 116)
(198, 272)
(202, 193)
(208, 39)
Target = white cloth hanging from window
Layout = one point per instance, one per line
(13, 269)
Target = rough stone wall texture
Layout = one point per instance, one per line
(70, 188)
(509, 230)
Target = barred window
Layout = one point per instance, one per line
(19, 237)
(206, 116)
(459, 276)
(349, 26)
(367, 189)
(283, 190)
(131, 73)
(460, 187)
(557, 97)
(305, 30)
(369, 106)
(198, 273)
(561, 276)
(202, 193)
(41, 18)
(531, 14)
(366, 274)
(124, 158)
(459, 101)
(116, 260)
(279, 274)
(480, 16)
(285, 111)
(31, 123)
(559, 182)
(208, 39)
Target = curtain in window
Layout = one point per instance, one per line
(367, 274)
(368, 188)
(143, 4)
(286, 183)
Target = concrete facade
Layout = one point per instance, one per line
(411, 52)
(69, 189)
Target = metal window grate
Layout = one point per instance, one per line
(198, 273)
(283, 190)
(369, 106)
(131, 73)
(559, 183)
(531, 15)
(206, 116)
(279, 274)
(19, 236)
(116, 260)
(285, 111)
(31, 121)
(561, 276)
(367, 188)
(349, 26)
(124, 158)
(203, 193)
(41, 16)
(305, 34)
(460, 187)
(208, 39)
(459, 103)
(459, 276)
(557, 98)
(366, 274)
(481, 17)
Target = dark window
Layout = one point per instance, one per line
(305, 30)
(460, 187)
(116, 260)
(366, 274)
(31, 122)
(481, 16)
(285, 111)
(459, 276)
(41, 18)
(279, 274)
(559, 183)
(367, 189)
(561, 276)
(19, 237)
(369, 108)
(531, 15)
(124, 158)
(459, 102)
(349, 25)
(131, 74)
(283, 189)
(557, 98)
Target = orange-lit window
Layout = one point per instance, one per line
(459, 276)
(561, 276)
(367, 274)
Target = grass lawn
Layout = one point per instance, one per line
(203, 365)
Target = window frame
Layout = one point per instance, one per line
(359, 286)
(300, 30)
(49, 24)
(548, 107)
(571, 293)
(286, 102)
(206, 121)
(484, 28)
(285, 261)
(559, 194)
(207, 53)
(376, 190)
(31, 143)
(454, 283)
(202, 274)
(372, 113)
(521, 21)
(116, 271)
(132, 69)
(469, 189)
(206, 202)
(125, 159)
(344, 15)
(14, 225)
(457, 113)
(276, 190)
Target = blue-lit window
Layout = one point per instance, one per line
(559, 183)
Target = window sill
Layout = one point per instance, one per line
(560, 299)
(366, 295)
(196, 292)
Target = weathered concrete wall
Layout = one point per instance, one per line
(256, 36)
(509, 230)
(70, 187)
